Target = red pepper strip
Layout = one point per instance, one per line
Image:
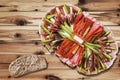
(100, 30)
(60, 50)
(66, 45)
(77, 19)
(79, 16)
(82, 25)
(62, 47)
(68, 55)
(79, 25)
(92, 30)
(64, 42)
(88, 23)
(76, 59)
(95, 29)
(67, 49)
(97, 32)
(80, 56)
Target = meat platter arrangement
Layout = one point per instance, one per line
(78, 39)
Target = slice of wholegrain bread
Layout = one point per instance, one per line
(27, 64)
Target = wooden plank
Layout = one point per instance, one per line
(99, 5)
(88, 1)
(7, 58)
(28, 47)
(20, 18)
(19, 35)
(27, 18)
(31, 32)
(34, 1)
(52, 60)
(63, 74)
(23, 48)
(52, 65)
(4, 65)
(28, 43)
(39, 5)
(43, 5)
(58, 69)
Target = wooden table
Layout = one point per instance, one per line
(19, 21)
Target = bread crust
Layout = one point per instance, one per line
(27, 64)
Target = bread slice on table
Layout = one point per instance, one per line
(27, 64)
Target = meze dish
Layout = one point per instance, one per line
(78, 39)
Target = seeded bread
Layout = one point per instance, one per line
(27, 64)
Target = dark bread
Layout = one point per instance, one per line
(27, 64)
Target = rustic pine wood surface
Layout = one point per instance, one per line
(19, 21)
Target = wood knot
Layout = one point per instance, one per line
(52, 77)
(36, 43)
(43, 45)
(2, 42)
(45, 0)
(119, 63)
(2, 6)
(17, 35)
(18, 56)
(38, 33)
(20, 22)
(83, 78)
(118, 14)
(118, 9)
(15, 6)
(118, 49)
(9, 76)
(36, 9)
(40, 52)
(13, 10)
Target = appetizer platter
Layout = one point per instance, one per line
(78, 39)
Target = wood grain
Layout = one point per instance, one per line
(60, 70)
(64, 74)
(32, 5)
(53, 61)
(27, 18)
(43, 5)
(31, 32)
(21, 47)
(19, 21)
(25, 40)
(101, 6)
